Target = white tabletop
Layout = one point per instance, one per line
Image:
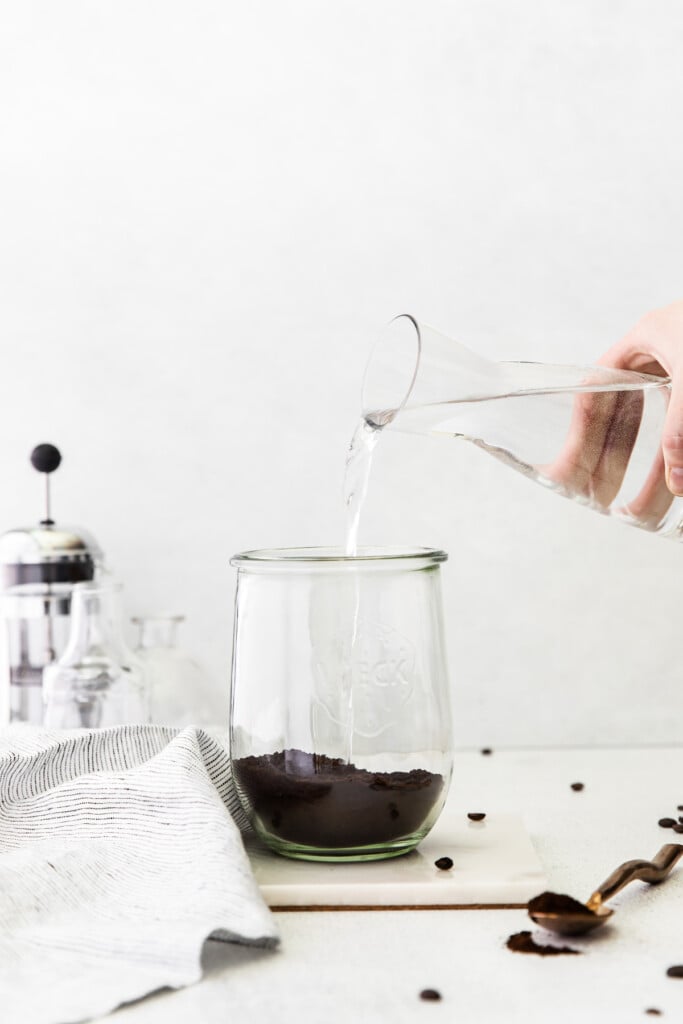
(362, 967)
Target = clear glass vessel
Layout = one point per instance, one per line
(37, 625)
(340, 724)
(39, 566)
(97, 681)
(592, 434)
(180, 692)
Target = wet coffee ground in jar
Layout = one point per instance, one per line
(321, 801)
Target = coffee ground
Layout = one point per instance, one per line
(557, 903)
(319, 801)
(522, 942)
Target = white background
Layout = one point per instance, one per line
(208, 209)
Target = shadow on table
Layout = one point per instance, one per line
(217, 955)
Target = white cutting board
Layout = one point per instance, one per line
(494, 864)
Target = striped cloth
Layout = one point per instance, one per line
(120, 853)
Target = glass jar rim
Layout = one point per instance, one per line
(301, 558)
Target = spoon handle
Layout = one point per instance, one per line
(651, 871)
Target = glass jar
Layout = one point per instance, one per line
(97, 681)
(181, 693)
(340, 724)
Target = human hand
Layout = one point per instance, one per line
(655, 345)
(605, 424)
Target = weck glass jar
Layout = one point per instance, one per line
(340, 723)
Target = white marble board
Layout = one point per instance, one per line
(494, 864)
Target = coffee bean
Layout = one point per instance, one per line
(653, 1011)
(676, 971)
(444, 863)
(678, 828)
(487, 750)
(476, 815)
(667, 822)
(430, 995)
(680, 807)
(577, 786)
(680, 820)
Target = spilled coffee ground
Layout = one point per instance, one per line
(321, 801)
(523, 942)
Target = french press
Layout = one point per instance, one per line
(39, 566)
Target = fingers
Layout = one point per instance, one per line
(654, 499)
(672, 440)
(598, 446)
(618, 444)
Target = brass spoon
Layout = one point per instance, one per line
(567, 916)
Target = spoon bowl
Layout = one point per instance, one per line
(569, 922)
(567, 916)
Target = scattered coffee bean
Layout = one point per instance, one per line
(444, 863)
(487, 750)
(676, 971)
(667, 822)
(476, 815)
(430, 995)
(678, 828)
(653, 1011)
(680, 819)
(680, 807)
(523, 942)
(577, 786)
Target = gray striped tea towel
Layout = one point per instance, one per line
(120, 853)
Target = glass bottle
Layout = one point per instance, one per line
(340, 727)
(180, 692)
(97, 681)
(592, 434)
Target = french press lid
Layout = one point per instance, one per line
(47, 553)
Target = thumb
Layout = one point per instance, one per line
(672, 440)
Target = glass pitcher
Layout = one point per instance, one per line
(181, 693)
(97, 682)
(340, 727)
(591, 434)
